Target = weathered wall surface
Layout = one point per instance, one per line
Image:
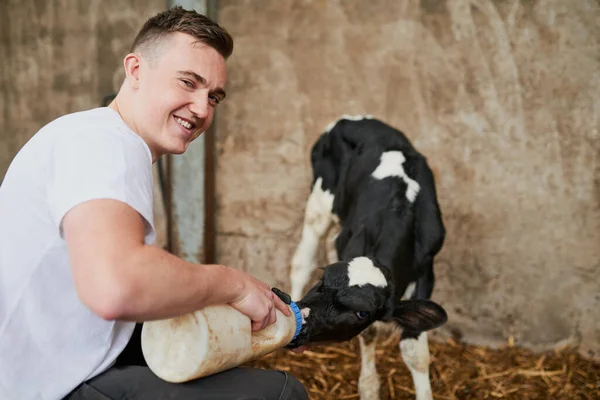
(502, 96)
(58, 57)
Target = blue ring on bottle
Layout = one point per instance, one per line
(298, 316)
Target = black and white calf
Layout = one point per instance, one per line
(374, 197)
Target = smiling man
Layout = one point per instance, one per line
(172, 88)
(77, 268)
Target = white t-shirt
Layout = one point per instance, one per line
(50, 341)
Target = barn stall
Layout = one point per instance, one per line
(501, 96)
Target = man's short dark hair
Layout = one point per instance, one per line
(177, 19)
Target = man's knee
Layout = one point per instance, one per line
(293, 389)
(272, 384)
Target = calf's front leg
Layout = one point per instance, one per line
(317, 219)
(368, 381)
(415, 354)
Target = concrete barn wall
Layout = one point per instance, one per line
(62, 56)
(502, 97)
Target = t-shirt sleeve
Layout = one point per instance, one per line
(100, 165)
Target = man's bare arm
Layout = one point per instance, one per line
(119, 277)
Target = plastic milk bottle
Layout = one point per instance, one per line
(212, 340)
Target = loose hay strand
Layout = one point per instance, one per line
(390, 380)
(457, 371)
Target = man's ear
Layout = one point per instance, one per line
(418, 315)
(132, 69)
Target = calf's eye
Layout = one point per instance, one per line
(362, 314)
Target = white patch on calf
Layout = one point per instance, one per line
(410, 290)
(317, 219)
(391, 165)
(415, 354)
(332, 234)
(305, 312)
(330, 126)
(362, 271)
(319, 208)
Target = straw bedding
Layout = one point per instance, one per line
(458, 371)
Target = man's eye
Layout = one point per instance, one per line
(187, 83)
(362, 314)
(215, 99)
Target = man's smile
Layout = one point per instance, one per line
(187, 125)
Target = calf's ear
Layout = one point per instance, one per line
(419, 315)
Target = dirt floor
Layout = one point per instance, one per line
(458, 371)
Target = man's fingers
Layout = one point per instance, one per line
(256, 326)
(265, 303)
(281, 306)
(273, 318)
(264, 321)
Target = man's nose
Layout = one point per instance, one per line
(200, 106)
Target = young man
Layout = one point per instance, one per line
(77, 268)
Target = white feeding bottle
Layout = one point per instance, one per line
(212, 340)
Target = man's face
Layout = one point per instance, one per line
(178, 90)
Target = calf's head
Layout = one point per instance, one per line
(351, 296)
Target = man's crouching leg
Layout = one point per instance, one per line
(140, 383)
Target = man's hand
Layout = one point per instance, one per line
(258, 302)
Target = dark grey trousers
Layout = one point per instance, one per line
(139, 383)
(131, 379)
